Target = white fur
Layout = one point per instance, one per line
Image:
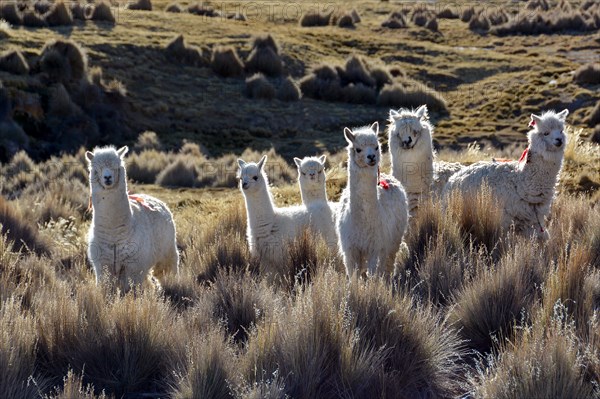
(126, 239)
(312, 181)
(525, 189)
(372, 221)
(413, 157)
(270, 228)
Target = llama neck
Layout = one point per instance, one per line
(362, 183)
(260, 208)
(314, 193)
(539, 177)
(414, 168)
(112, 211)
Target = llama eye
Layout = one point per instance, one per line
(303, 174)
(320, 171)
(255, 177)
(358, 150)
(546, 133)
(376, 147)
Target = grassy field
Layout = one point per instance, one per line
(473, 312)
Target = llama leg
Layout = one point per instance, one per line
(352, 262)
(372, 265)
(389, 264)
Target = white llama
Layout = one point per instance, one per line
(312, 181)
(269, 228)
(129, 235)
(525, 189)
(373, 214)
(413, 157)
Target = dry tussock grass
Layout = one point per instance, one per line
(470, 293)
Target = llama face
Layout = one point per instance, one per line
(548, 135)
(364, 148)
(408, 128)
(311, 169)
(251, 175)
(106, 167)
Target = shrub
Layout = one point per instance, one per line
(467, 14)
(78, 11)
(588, 74)
(145, 166)
(345, 21)
(288, 90)
(479, 23)
(395, 21)
(63, 61)
(358, 94)
(537, 5)
(448, 13)
(346, 335)
(381, 76)
(257, 86)
(432, 25)
(202, 10)
(102, 12)
(225, 62)
(265, 41)
(142, 5)
(312, 18)
(33, 19)
(17, 229)
(10, 13)
(181, 173)
(210, 370)
(180, 51)
(264, 59)
(148, 140)
(59, 15)
(497, 17)
(542, 362)
(594, 118)
(321, 86)
(174, 7)
(356, 71)
(398, 96)
(41, 6)
(487, 308)
(13, 61)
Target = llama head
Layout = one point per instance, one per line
(251, 175)
(107, 169)
(548, 133)
(363, 148)
(311, 169)
(409, 129)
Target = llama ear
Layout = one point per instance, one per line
(89, 156)
(394, 115)
(262, 161)
(322, 159)
(297, 161)
(241, 162)
(422, 111)
(349, 135)
(563, 114)
(534, 120)
(375, 127)
(122, 151)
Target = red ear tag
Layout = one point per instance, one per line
(532, 123)
(524, 155)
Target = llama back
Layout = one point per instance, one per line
(322, 221)
(442, 173)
